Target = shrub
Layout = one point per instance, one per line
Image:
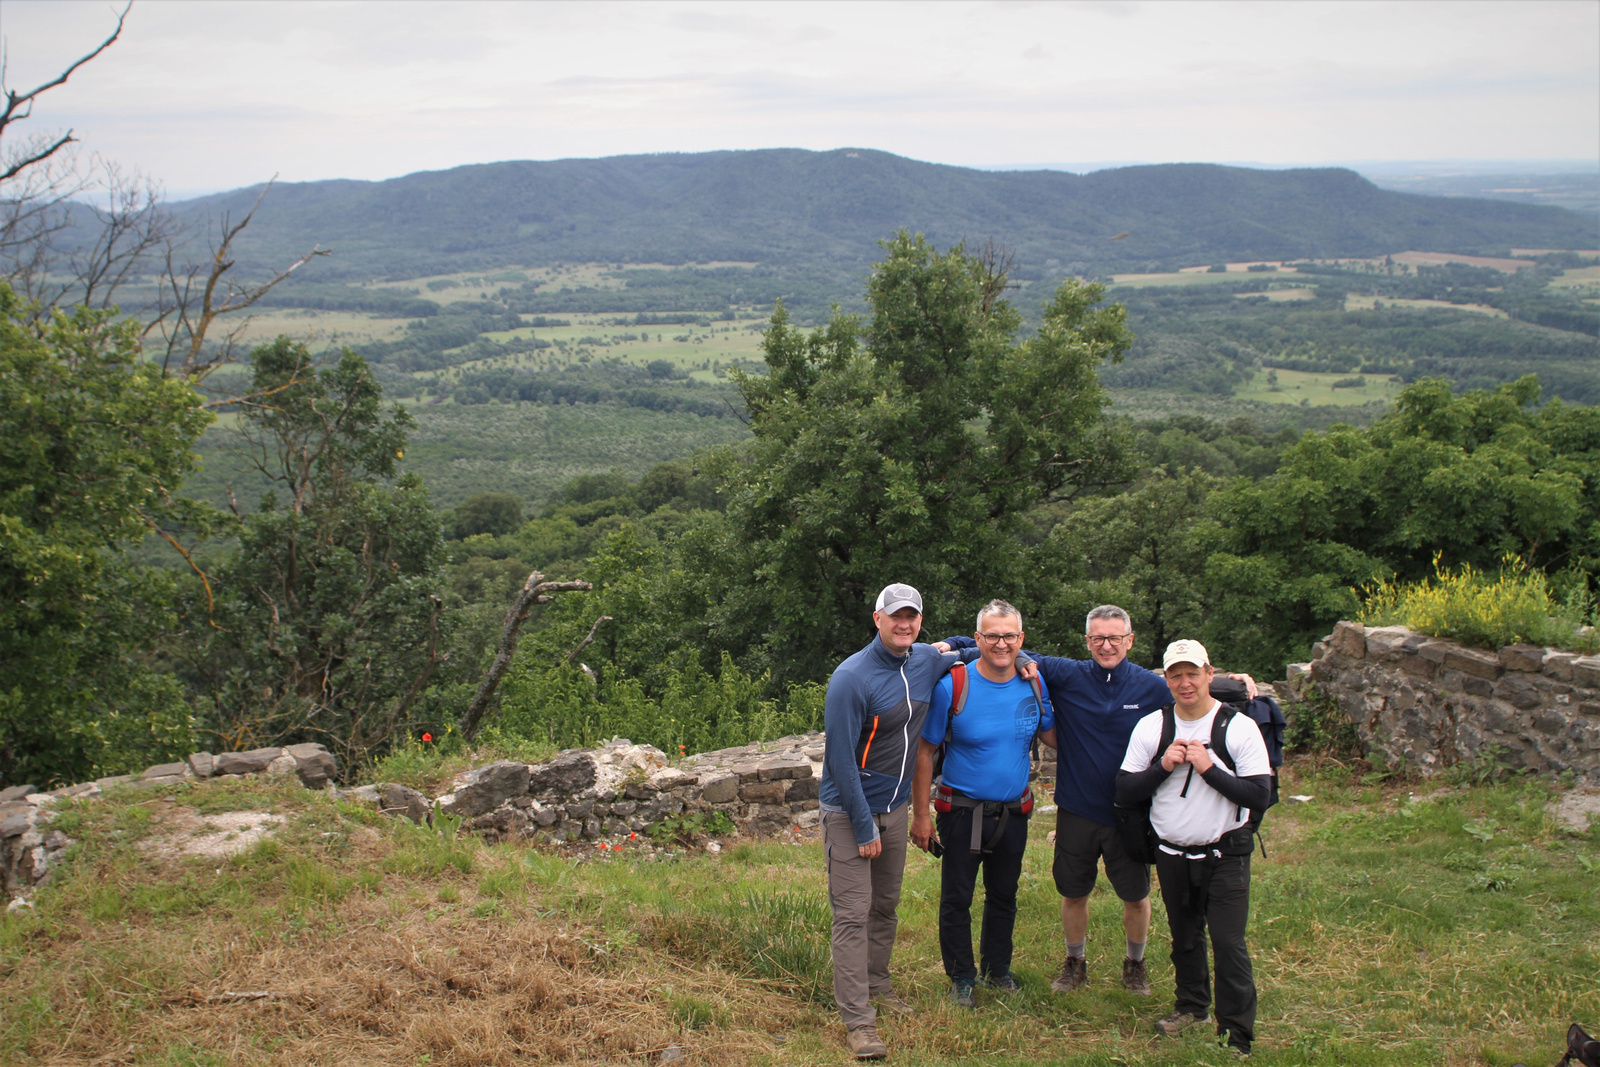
(1475, 608)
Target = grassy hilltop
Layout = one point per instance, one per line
(1388, 927)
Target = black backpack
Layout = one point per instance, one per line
(1133, 823)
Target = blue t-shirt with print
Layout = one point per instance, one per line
(989, 741)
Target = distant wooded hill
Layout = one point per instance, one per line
(796, 207)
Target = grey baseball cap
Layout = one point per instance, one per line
(895, 597)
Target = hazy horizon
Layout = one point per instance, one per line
(213, 96)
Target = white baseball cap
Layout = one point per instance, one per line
(1185, 652)
(895, 597)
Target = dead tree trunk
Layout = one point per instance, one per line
(534, 591)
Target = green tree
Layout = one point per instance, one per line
(94, 444)
(1469, 478)
(904, 449)
(327, 619)
(488, 513)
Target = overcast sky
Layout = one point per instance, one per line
(211, 95)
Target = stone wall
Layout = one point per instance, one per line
(29, 848)
(621, 789)
(1427, 703)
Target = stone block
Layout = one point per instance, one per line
(14, 826)
(1522, 658)
(1500, 717)
(1558, 664)
(313, 763)
(203, 764)
(396, 799)
(281, 766)
(1474, 662)
(1550, 723)
(802, 789)
(486, 788)
(1383, 640)
(1434, 650)
(1318, 649)
(1586, 671)
(254, 761)
(580, 810)
(1517, 690)
(762, 792)
(720, 789)
(672, 778)
(1419, 667)
(640, 790)
(568, 774)
(1591, 710)
(16, 792)
(783, 767)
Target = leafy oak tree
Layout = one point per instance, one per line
(905, 447)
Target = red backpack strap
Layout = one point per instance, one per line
(958, 686)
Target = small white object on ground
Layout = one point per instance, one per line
(713, 846)
(1301, 798)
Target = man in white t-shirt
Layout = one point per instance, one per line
(1198, 808)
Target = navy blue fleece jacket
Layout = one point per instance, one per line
(876, 705)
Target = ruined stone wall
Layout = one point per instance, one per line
(1428, 703)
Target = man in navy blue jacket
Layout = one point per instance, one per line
(876, 704)
(1097, 701)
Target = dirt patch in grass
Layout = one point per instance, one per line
(188, 833)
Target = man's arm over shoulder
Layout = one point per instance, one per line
(843, 712)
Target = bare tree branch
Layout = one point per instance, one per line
(19, 106)
(581, 645)
(534, 591)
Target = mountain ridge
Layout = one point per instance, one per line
(796, 205)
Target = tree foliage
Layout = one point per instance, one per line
(327, 619)
(94, 445)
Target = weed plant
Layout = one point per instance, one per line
(1485, 611)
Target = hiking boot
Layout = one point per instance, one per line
(1179, 1021)
(1135, 978)
(1074, 973)
(865, 1044)
(1006, 983)
(894, 1003)
(961, 993)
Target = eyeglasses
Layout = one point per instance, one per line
(1001, 639)
(1099, 641)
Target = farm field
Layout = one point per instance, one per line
(1298, 387)
(1198, 276)
(1354, 302)
(1392, 923)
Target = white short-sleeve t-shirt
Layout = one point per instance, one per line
(1205, 814)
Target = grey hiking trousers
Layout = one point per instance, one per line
(864, 895)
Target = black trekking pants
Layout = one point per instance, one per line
(1226, 904)
(1002, 867)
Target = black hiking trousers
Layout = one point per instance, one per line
(958, 879)
(1224, 910)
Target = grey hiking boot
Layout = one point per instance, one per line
(1006, 983)
(894, 1003)
(961, 994)
(865, 1044)
(1135, 978)
(1179, 1021)
(1074, 973)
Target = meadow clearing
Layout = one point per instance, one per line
(1393, 922)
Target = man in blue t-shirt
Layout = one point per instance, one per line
(983, 801)
(1097, 702)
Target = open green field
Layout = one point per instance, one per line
(1354, 302)
(1405, 924)
(1296, 387)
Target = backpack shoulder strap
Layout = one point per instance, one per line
(1219, 735)
(958, 687)
(1169, 731)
